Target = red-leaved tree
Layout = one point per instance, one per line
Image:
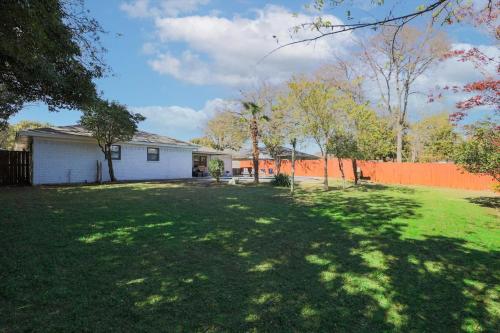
(484, 92)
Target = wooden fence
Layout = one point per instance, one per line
(430, 174)
(15, 168)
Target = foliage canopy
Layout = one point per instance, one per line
(109, 123)
(49, 52)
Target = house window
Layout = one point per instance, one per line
(116, 152)
(153, 154)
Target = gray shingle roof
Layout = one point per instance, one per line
(139, 137)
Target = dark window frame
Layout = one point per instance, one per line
(150, 155)
(119, 153)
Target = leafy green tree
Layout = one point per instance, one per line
(432, 139)
(361, 135)
(109, 123)
(320, 108)
(216, 168)
(49, 52)
(480, 152)
(274, 134)
(225, 131)
(291, 127)
(343, 145)
(8, 134)
(202, 141)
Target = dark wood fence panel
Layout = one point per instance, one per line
(15, 167)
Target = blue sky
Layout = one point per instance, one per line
(177, 60)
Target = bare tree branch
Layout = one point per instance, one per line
(387, 21)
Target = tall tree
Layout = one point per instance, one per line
(320, 108)
(271, 130)
(343, 145)
(8, 134)
(397, 57)
(432, 139)
(202, 141)
(252, 115)
(225, 131)
(49, 52)
(291, 127)
(362, 134)
(109, 123)
(273, 135)
(346, 76)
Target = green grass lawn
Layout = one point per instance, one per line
(188, 258)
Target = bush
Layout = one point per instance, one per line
(216, 168)
(281, 180)
(480, 153)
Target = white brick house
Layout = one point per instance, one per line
(69, 154)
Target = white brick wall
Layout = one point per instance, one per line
(57, 161)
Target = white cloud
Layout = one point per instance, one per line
(137, 8)
(179, 122)
(176, 7)
(147, 8)
(149, 48)
(227, 51)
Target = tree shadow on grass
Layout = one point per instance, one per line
(367, 187)
(193, 258)
(489, 202)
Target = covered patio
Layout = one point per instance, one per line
(203, 155)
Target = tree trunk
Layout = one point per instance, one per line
(292, 185)
(325, 181)
(355, 170)
(99, 172)
(277, 162)
(413, 155)
(255, 150)
(110, 165)
(399, 144)
(341, 168)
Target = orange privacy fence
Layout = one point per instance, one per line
(431, 174)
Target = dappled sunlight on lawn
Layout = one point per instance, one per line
(186, 257)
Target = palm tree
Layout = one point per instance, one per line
(254, 114)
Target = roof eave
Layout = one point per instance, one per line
(73, 137)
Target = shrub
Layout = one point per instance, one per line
(216, 168)
(281, 180)
(480, 153)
